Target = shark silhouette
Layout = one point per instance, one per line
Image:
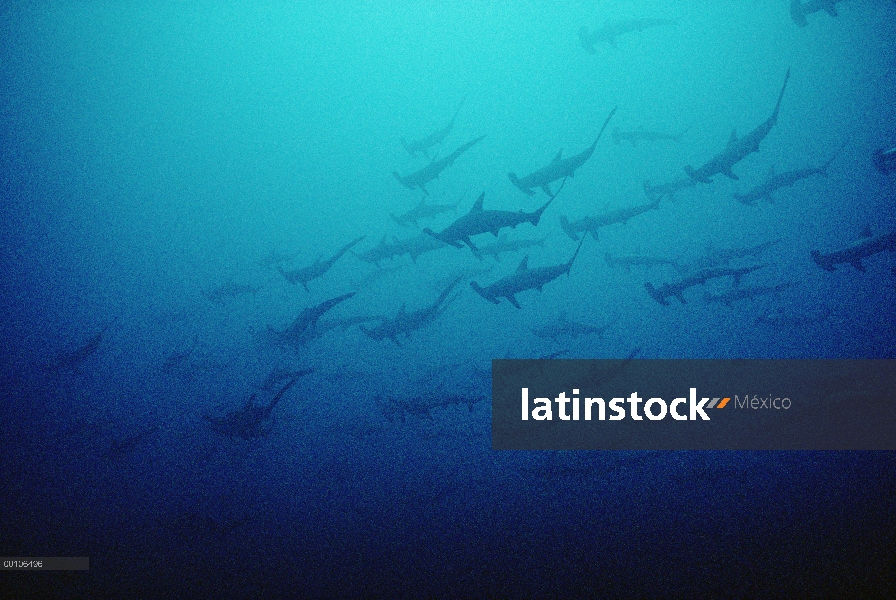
(479, 221)
(318, 268)
(524, 279)
(250, 421)
(853, 254)
(424, 144)
(559, 168)
(737, 148)
(419, 179)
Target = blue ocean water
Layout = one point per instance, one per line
(165, 164)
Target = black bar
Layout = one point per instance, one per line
(55, 563)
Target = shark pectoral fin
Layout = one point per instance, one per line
(857, 264)
(469, 243)
(593, 233)
(832, 10)
(512, 300)
(422, 187)
(730, 174)
(680, 296)
(694, 175)
(547, 189)
(524, 264)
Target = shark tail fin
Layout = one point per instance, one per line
(797, 14)
(604, 126)
(781, 95)
(574, 255)
(401, 179)
(821, 261)
(676, 138)
(655, 294)
(429, 231)
(479, 290)
(516, 181)
(567, 228)
(824, 168)
(535, 217)
(697, 177)
(284, 273)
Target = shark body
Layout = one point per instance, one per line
(559, 168)
(737, 148)
(305, 274)
(523, 279)
(419, 179)
(593, 224)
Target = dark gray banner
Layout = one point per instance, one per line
(54, 563)
(636, 404)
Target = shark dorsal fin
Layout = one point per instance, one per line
(866, 233)
(477, 207)
(733, 139)
(559, 156)
(524, 264)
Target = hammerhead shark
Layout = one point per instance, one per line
(382, 251)
(799, 9)
(479, 221)
(717, 257)
(503, 244)
(524, 278)
(304, 328)
(273, 257)
(249, 422)
(562, 327)
(419, 179)
(853, 254)
(227, 290)
(746, 293)
(611, 30)
(663, 190)
(737, 149)
(423, 145)
(423, 211)
(642, 135)
(70, 361)
(592, 224)
(559, 168)
(317, 269)
(405, 323)
(414, 247)
(775, 181)
(677, 289)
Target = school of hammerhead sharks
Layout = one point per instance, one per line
(252, 419)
